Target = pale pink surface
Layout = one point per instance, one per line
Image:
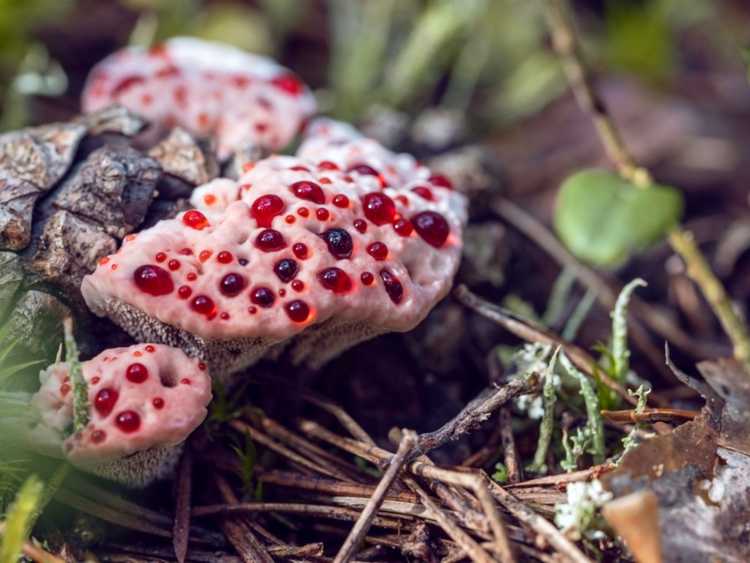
(211, 89)
(170, 403)
(424, 271)
(338, 142)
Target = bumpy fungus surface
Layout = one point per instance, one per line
(145, 400)
(211, 89)
(297, 247)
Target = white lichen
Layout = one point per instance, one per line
(579, 516)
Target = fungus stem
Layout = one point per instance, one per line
(80, 388)
(566, 45)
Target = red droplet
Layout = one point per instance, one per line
(105, 401)
(265, 208)
(340, 200)
(203, 305)
(128, 421)
(103, 260)
(286, 269)
(364, 169)
(263, 297)
(201, 366)
(184, 292)
(125, 84)
(322, 214)
(300, 250)
(98, 436)
(360, 225)
(282, 292)
(289, 84)
(232, 284)
(309, 191)
(173, 264)
(192, 276)
(158, 403)
(224, 257)
(297, 310)
(432, 227)
(327, 165)
(379, 208)
(150, 348)
(224, 316)
(300, 168)
(424, 192)
(95, 380)
(270, 240)
(440, 180)
(195, 219)
(64, 389)
(290, 219)
(403, 227)
(377, 250)
(335, 279)
(185, 381)
(298, 285)
(367, 278)
(186, 251)
(137, 373)
(252, 310)
(153, 280)
(204, 255)
(339, 243)
(325, 180)
(403, 200)
(160, 257)
(392, 286)
(303, 212)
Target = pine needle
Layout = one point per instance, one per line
(80, 387)
(20, 519)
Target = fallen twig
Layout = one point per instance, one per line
(360, 529)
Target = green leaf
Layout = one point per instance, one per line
(20, 519)
(603, 219)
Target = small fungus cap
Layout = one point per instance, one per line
(211, 89)
(141, 397)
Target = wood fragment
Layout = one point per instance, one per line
(238, 532)
(362, 526)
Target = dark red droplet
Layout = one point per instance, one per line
(224, 257)
(360, 225)
(298, 285)
(265, 208)
(339, 243)
(432, 227)
(340, 200)
(263, 297)
(403, 227)
(297, 310)
(232, 284)
(322, 214)
(158, 403)
(392, 285)
(335, 279)
(203, 305)
(300, 250)
(201, 366)
(379, 208)
(195, 219)
(364, 169)
(184, 292)
(309, 191)
(327, 165)
(289, 84)
(137, 373)
(286, 269)
(377, 250)
(424, 192)
(153, 280)
(367, 278)
(270, 240)
(160, 257)
(173, 264)
(303, 212)
(224, 316)
(440, 180)
(98, 436)
(105, 400)
(128, 421)
(242, 261)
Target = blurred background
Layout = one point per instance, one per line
(485, 60)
